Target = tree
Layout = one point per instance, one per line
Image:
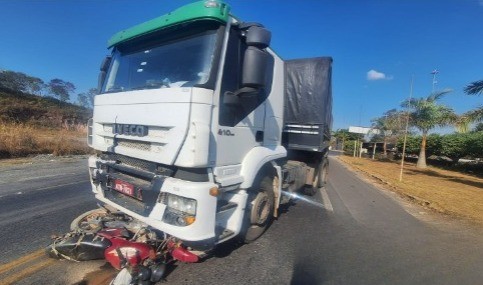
(425, 115)
(82, 100)
(20, 82)
(60, 89)
(86, 99)
(474, 88)
(454, 146)
(475, 145)
(35, 85)
(344, 136)
(478, 128)
(462, 124)
(15, 81)
(413, 144)
(389, 125)
(341, 135)
(475, 115)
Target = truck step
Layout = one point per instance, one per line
(223, 233)
(225, 206)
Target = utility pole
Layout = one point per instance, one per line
(406, 132)
(434, 72)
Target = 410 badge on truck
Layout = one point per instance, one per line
(225, 133)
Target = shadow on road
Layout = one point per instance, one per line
(447, 177)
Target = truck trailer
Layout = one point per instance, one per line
(201, 132)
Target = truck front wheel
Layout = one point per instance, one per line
(259, 210)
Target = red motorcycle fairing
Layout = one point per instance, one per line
(133, 252)
(182, 254)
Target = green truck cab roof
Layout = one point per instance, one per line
(201, 10)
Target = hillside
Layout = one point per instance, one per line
(31, 125)
(40, 111)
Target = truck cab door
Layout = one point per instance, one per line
(240, 118)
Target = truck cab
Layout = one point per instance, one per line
(189, 127)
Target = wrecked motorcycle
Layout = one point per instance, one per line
(138, 251)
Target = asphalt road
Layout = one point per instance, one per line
(39, 199)
(349, 233)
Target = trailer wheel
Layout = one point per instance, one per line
(259, 211)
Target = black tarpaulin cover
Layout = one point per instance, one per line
(308, 93)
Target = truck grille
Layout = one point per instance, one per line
(144, 146)
(130, 161)
(129, 203)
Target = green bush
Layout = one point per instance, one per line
(455, 146)
(412, 144)
(475, 145)
(434, 144)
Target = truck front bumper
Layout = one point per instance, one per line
(150, 209)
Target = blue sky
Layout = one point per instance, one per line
(393, 39)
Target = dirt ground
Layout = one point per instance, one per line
(447, 192)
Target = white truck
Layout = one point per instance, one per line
(202, 128)
(202, 131)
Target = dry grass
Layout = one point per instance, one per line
(445, 191)
(18, 140)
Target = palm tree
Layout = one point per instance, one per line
(475, 115)
(474, 88)
(425, 115)
(462, 123)
(390, 124)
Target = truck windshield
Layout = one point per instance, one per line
(184, 62)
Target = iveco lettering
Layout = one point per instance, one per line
(132, 130)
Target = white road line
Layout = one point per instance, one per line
(326, 200)
(46, 176)
(42, 188)
(60, 185)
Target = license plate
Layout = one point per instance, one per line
(124, 187)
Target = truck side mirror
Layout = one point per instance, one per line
(256, 58)
(255, 63)
(258, 37)
(254, 67)
(102, 75)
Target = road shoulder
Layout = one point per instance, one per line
(415, 206)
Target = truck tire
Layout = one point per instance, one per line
(320, 178)
(259, 210)
(323, 172)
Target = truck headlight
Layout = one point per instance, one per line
(182, 204)
(180, 211)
